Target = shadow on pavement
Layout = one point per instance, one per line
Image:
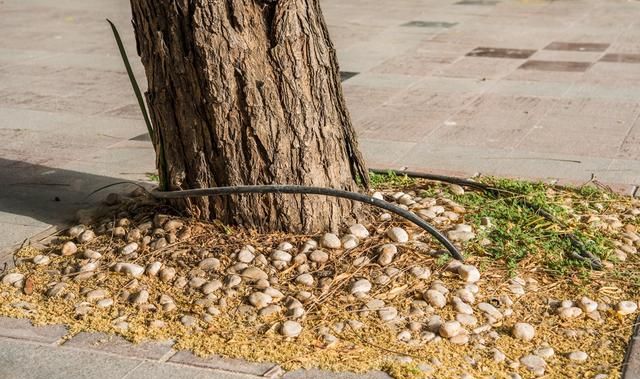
(48, 194)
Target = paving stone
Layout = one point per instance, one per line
(28, 360)
(164, 370)
(118, 345)
(23, 329)
(219, 363)
(321, 374)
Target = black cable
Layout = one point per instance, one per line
(294, 189)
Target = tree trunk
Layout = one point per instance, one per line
(248, 92)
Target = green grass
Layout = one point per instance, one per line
(519, 232)
(390, 179)
(152, 176)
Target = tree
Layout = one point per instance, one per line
(248, 92)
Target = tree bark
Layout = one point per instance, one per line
(248, 92)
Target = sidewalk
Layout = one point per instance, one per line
(530, 88)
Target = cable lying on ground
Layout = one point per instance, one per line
(294, 189)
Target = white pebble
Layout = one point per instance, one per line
(397, 234)
(450, 329)
(290, 329)
(360, 286)
(469, 273)
(359, 231)
(153, 268)
(260, 300)
(578, 356)
(626, 307)
(435, 298)
(523, 331)
(330, 241)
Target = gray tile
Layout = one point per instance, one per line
(118, 345)
(322, 374)
(497, 52)
(172, 371)
(555, 66)
(430, 24)
(346, 75)
(219, 363)
(631, 367)
(621, 58)
(23, 329)
(477, 2)
(577, 46)
(24, 360)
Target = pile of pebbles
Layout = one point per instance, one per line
(371, 276)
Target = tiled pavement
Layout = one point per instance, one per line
(531, 88)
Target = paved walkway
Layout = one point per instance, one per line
(530, 88)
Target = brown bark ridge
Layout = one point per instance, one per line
(248, 92)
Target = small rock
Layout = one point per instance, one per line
(13, 279)
(578, 356)
(387, 252)
(569, 313)
(462, 307)
(269, 310)
(435, 298)
(90, 254)
(166, 274)
(95, 295)
(279, 255)
(544, 352)
(534, 364)
(104, 303)
(86, 236)
(290, 329)
(387, 313)
(469, 273)
(349, 241)
(197, 282)
(245, 256)
(153, 268)
(209, 264)
(626, 307)
(129, 268)
(359, 230)
(141, 297)
(319, 256)
(456, 189)
(397, 234)
(523, 331)
(498, 356)
(157, 324)
(56, 289)
(211, 286)
(129, 248)
(466, 319)
(490, 310)
(360, 286)
(330, 241)
(188, 321)
(305, 279)
(75, 231)
(587, 305)
(232, 281)
(420, 272)
(254, 274)
(69, 248)
(450, 329)
(260, 300)
(404, 336)
(41, 260)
